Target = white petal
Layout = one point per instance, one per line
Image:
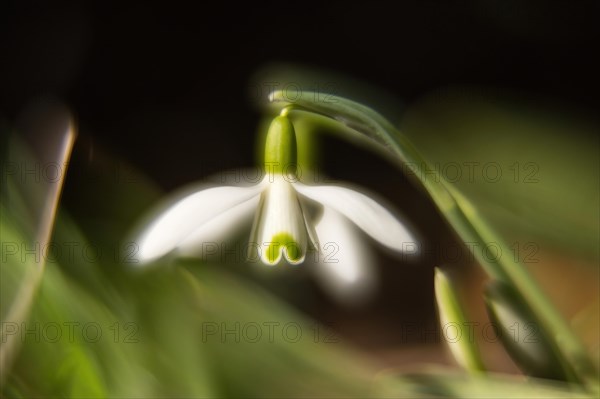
(279, 228)
(186, 216)
(214, 237)
(371, 217)
(344, 265)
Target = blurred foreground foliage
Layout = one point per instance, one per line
(125, 334)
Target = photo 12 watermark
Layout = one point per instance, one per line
(473, 331)
(469, 252)
(31, 172)
(23, 252)
(270, 332)
(70, 331)
(475, 172)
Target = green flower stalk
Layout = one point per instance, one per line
(280, 148)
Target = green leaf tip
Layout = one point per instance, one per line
(451, 312)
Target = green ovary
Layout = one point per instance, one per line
(280, 147)
(285, 240)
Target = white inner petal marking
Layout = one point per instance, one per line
(280, 226)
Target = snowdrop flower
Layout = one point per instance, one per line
(290, 219)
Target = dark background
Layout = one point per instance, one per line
(136, 74)
(165, 86)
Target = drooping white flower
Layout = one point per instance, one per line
(291, 219)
